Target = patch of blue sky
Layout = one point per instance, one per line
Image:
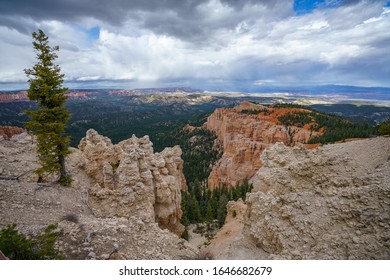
(302, 7)
(89, 35)
(387, 4)
(93, 33)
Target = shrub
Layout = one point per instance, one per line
(17, 246)
(185, 234)
(384, 128)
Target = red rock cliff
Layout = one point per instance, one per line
(245, 131)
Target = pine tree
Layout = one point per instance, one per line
(48, 122)
(222, 211)
(184, 201)
(209, 213)
(197, 214)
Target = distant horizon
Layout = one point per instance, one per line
(265, 89)
(379, 96)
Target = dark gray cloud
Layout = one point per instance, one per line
(112, 12)
(191, 20)
(252, 68)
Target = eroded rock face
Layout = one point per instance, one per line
(329, 203)
(132, 180)
(245, 136)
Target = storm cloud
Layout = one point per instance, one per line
(146, 42)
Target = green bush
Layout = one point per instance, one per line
(185, 234)
(384, 128)
(17, 246)
(65, 180)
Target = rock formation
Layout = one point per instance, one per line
(124, 202)
(246, 131)
(129, 178)
(332, 202)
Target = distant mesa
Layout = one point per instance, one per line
(17, 96)
(13, 96)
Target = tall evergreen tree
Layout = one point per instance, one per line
(48, 122)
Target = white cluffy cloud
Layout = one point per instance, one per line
(222, 41)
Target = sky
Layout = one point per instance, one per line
(206, 44)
